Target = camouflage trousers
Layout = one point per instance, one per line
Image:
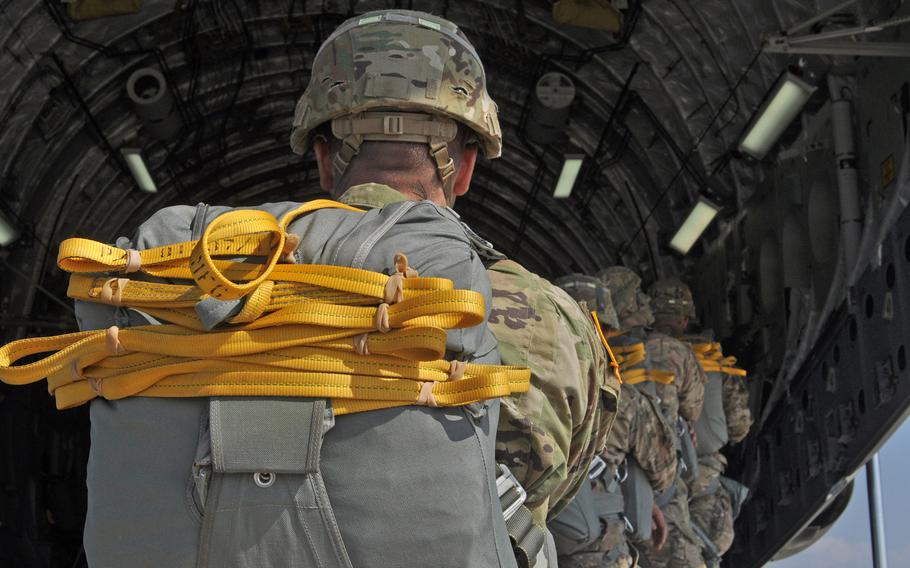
(713, 513)
(612, 551)
(683, 547)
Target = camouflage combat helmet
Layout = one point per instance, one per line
(633, 307)
(594, 293)
(672, 297)
(397, 75)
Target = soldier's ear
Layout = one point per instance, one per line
(465, 170)
(324, 163)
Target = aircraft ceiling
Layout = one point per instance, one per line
(659, 109)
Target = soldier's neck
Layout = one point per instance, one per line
(413, 187)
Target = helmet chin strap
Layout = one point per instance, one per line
(433, 130)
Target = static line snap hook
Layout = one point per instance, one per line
(264, 479)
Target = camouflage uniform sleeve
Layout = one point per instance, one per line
(736, 407)
(691, 384)
(588, 387)
(534, 433)
(617, 444)
(652, 440)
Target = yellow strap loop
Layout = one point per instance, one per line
(631, 358)
(334, 284)
(219, 237)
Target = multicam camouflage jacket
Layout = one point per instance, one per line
(686, 394)
(549, 435)
(641, 432)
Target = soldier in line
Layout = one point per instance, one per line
(639, 435)
(726, 418)
(549, 435)
(681, 402)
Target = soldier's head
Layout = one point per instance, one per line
(671, 301)
(397, 97)
(633, 307)
(593, 294)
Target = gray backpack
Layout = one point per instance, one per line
(628, 499)
(711, 426)
(581, 523)
(639, 500)
(687, 452)
(236, 482)
(577, 526)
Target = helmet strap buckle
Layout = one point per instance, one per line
(393, 125)
(444, 163)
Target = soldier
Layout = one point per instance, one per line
(548, 436)
(681, 402)
(396, 112)
(640, 438)
(725, 418)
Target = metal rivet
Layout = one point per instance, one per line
(264, 479)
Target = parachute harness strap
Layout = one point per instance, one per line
(304, 330)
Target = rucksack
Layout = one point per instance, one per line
(246, 481)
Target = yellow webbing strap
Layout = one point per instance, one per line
(244, 232)
(637, 376)
(712, 360)
(447, 308)
(162, 361)
(633, 355)
(363, 339)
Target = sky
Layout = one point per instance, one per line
(848, 543)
